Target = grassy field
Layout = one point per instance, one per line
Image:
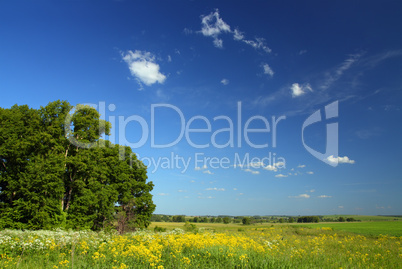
(210, 245)
(367, 228)
(279, 246)
(371, 228)
(366, 218)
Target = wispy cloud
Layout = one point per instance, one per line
(304, 196)
(225, 81)
(197, 168)
(208, 197)
(143, 67)
(332, 77)
(281, 175)
(298, 90)
(268, 70)
(163, 194)
(258, 165)
(208, 172)
(345, 159)
(212, 25)
(324, 196)
(215, 189)
(254, 172)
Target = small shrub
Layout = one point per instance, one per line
(159, 229)
(189, 227)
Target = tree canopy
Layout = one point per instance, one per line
(56, 171)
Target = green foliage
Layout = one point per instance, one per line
(55, 171)
(246, 221)
(226, 220)
(189, 227)
(159, 229)
(179, 218)
(305, 219)
(341, 219)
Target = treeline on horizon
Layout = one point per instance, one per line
(248, 219)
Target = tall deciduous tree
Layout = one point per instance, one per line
(55, 171)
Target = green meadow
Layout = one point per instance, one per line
(370, 228)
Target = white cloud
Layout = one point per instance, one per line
(238, 35)
(313, 190)
(235, 189)
(268, 70)
(197, 168)
(256, 165)
(169, 58)
(302, 52)
(306, 196)
(182, 191)
(218, 43)
(301, 166)
(310, 172)
(215, 189)
(163, 194)
(271, 168)
(341, 206)
(281, 175)
(345, 159)
(213, 26)
(208, 172)
(251, 171)
(258, 44)
(225, 81)
(298, 90)
(143, 67)
(324, 196)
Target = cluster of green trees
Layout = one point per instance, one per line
(196, 219)
(343, 219)
(247, 220)
(308, 219)
(47, 182)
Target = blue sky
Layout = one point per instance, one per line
(213, 96)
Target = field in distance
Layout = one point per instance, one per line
(366, 225)
(369, 228)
